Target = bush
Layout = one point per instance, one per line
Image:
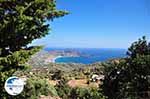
(85, 93)
(63, 89)
(35, 87)
(66, 92)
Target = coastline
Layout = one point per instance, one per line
(88, 57)
(51, 59)
(54, 59)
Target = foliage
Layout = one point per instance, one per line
(57, 75)
(22, 21)
(140, 48)
(114, 81)
(66, 92)
(12, 63)
(86, 93)
(63, 89)
(35, 87)
(129, 78)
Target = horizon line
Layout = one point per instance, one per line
(86, 48)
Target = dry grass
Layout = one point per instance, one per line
(48, 97)
(53, 82)
(78, 83)
(82, 83)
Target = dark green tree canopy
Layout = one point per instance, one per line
(130, 77)
(140, 47)
(22, 21)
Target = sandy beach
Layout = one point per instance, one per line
(51, 59)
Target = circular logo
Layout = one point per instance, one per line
(14, 85)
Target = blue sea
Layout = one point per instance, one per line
(90, 55)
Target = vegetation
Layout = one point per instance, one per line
(83, 93)
(124, 78)
(130, 77)
(66, 92)
(35, 87)
(22, 21)
(11, 63)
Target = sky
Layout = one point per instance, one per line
(99, 24)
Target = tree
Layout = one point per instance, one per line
(22, 21)
(116, 77)
(140, 47)
(139, 67)
(129, 78)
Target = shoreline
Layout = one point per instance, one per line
(51, 59)
(54, 59)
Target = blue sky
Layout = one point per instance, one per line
(99, 24)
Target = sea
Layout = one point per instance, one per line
(90, 55)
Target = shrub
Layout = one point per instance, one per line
(35, 87)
